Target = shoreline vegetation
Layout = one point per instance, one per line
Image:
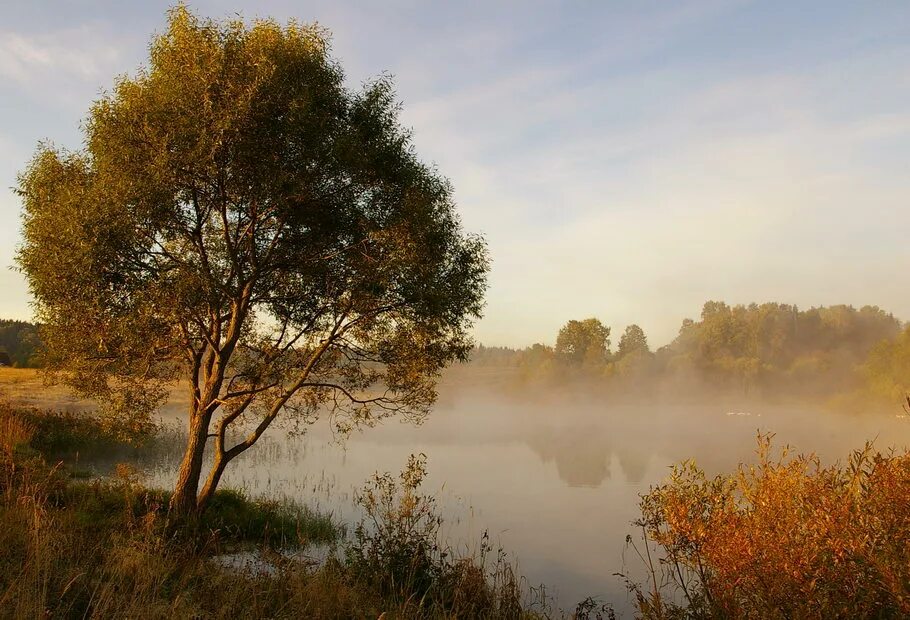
(77, 546)
(787, 537)
(838, 357)
(784, 537)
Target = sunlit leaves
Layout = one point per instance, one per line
(789, 537)
(243, 219)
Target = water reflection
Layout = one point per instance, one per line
(583, 455)
(555, 481)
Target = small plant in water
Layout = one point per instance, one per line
(593, 609)
(397, 541)
(396, 549)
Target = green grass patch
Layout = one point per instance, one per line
(57, 434)
(283, 524)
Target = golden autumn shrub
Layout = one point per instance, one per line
(787, 537)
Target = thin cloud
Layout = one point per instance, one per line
(72, 53)
(623, 161)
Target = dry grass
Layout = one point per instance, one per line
(28, 387)
(20, 379)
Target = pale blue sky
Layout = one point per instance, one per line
(625, 160)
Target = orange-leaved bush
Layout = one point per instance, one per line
(787, 537)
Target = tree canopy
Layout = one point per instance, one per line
(780, 345)
(633, 341)
(19, 343)
(887, 368)
(241, 219)
(583, 343)
(771, 348)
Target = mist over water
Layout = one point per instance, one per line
(554, 475)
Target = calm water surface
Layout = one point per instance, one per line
(555, 481)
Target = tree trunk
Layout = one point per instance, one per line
(212, 483)
(184, 499)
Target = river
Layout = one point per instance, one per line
(555, 479)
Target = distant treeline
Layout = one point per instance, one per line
(757, 349)
(19, 343)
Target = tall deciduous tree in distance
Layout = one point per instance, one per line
(633, 340)
(584, 342)
(241, 220)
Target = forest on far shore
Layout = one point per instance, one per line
(837, 353)
(19, 344)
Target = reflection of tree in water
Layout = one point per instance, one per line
(634, 463)
(583, 455)
(586, 455)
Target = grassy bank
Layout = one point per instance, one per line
(787, 537)
(104, 548)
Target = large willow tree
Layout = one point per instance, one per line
(242, 220)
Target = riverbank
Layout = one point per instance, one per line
(76, 547)
(820, 537)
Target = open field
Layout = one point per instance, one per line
(28, 387)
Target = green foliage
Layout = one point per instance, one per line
(766, 349)
(233, 516)
(493, 356)
(633, 341)
(59, 434)
(779, 347)
(241, 219)
(19, 344)
(99, 550)
(397, 543)
(583, 343)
